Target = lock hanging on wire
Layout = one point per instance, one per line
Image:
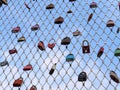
(85, 48)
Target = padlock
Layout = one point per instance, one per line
(21, 39)
(77, 33)
(82, 77)
(51, 44)
(28, 67)
(100, 52)
(52, 69)
(18, 82)
(35, 27)
(41, 46)
(85, 49)
(16, 29)
(117, 52)
(69, 11)
(4, 63)
(59, 20)
(110, 24)
(90, 17)
(1, 3)
(12, 51)
(33, 87)
(114, 77)
(70, 58)
(4, 2)
(119, 5)
(93, 6)
(50, 7)
(66, 41)
(118, 30)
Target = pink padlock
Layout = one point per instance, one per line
(16, 29)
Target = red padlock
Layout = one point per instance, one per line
(51, 44)
(18, 82)
(33, 87)
(41, 46)
(28, 67)
(100, 52)
(12, 51)
(119, 5)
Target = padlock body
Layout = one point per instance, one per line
(85, 48)
(82, 77)
(117, 52)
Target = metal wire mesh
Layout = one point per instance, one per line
(27, 13)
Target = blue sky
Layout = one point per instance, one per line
(64, 77)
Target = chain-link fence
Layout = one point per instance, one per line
(59, 45)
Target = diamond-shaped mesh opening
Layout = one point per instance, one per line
(33, 51)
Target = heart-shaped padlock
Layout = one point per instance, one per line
(51, 44)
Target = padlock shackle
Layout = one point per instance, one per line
(84, 42)
(52, 40)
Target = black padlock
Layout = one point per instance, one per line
(82, 77)
(52, 69)
(114, 77)
(85, 48)
(118, 30)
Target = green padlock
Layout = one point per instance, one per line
(117, 52)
